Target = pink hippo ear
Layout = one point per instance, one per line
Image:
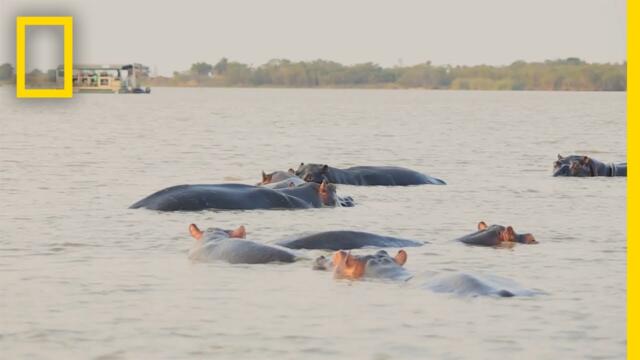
(266, 178)
(482, 225)
(240, 232)
(401, 257)
(585, 160)
(324, 187)
(195, 232)
(560, 157)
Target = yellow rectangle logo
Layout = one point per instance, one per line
(67, 24)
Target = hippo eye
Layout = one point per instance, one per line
(308, 177)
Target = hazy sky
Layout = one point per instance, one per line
(170, 35)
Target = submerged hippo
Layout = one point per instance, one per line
(584, 166)
(230, 246)
(364, 175)
(463, 284)
(346, 240)
(380, 265)
(309, 194)
(280, 179)
(238, 197)
(496, 235)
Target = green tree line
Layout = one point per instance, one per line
(564, 74)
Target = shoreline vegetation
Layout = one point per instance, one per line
(570, 74)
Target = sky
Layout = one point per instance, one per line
(171, 35)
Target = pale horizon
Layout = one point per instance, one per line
(168, 38)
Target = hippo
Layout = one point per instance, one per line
(496, 235)
(584, 166)
(463, 284)
(380, 265)
(287, 180)
(231, 246)
(364, 175)
(280, 179)
(345, 240)
(238, 197)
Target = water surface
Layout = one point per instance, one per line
(83, 276)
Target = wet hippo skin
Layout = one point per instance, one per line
(216, 244)
(237, 197)
(496, 235)
(365, 175)
(346, 240)
(584, 166)
(280, 179)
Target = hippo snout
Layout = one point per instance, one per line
(526, 239)
(321, 263)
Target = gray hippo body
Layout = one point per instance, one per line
(467, 285)
(381, 266)
(289, 183)
(280, 180)
(584, 166)
(346, 240)
(496, 235)
(365, 175)
(221, 245)
(233, 197)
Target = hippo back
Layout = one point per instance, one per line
(462, 284)
(237, 251)
(392, 176)
(486, 237)
(220, 196)
(346, 240)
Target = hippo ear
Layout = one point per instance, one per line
(349, 261)
(291, 171)
(240, 232)
(560, 157)
(511, 234)
(324, 186)
(325, 168)
(195, 232)
(401, 257)
(291, 185)
(265, 178)
(301, 164)
(482, 225)
(585, 160)
(339, 258)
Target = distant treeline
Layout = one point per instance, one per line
(564, 74)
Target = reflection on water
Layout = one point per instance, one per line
(83, 275)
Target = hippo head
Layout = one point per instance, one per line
(506, 235)
(573, 165)
(214, 234)
(326, 193)
(276, 176)
(347, 266)
(312, 172)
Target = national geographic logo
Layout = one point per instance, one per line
(21, 24)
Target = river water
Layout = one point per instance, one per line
(82, 276)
